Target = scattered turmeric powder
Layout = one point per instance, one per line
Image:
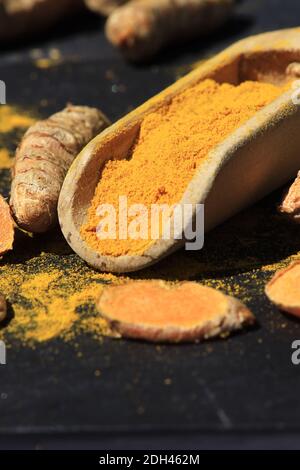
(161, 312)
(6, 160)
(51, 301)
(11, 118)
(52, 293)
(42, 161)
(143, 27)
(172, 144)
(290, 205)
(284, 289)
(6, 227)
(46, 63)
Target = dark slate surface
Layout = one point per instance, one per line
(242, 392)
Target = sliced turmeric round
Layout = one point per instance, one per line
(284, 289)
(159, 311)
(6, 227)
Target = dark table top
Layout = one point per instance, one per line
(238, 393)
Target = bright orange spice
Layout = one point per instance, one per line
(172, 144)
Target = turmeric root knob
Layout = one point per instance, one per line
(290, 205)
(42, 160)
(158, 311)
(6, 227)
(143, 27)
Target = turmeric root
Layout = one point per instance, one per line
(143, 27)
(42, 160)
(284, 289)
(158, 311)
(6, 227)
(26, 17)
(290, 205)
(3, 308)
(104, 7)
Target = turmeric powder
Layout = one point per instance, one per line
(162, 312)
(51, 300)
(6, 161)
(12, 118)
(173, 143)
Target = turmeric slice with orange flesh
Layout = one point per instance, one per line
(159, 311)
(284, 289)
(290, 205)
(6, 227)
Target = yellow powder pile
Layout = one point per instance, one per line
(5, 159)
(172, 144)
(51, 302)
(11, 118)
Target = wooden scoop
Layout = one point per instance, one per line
(257, 158)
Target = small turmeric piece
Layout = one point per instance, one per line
(290, 205)
(6, 227)
(104, 7)
(159, 311)
(3, 308)
(42, 160)
(284, 289)
(293, 70)
(143, 27)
